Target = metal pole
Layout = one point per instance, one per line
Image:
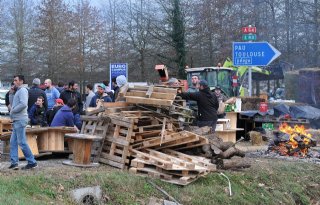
(250, 81)
(250, 77)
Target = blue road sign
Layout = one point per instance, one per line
(253, 53)
(117, 69)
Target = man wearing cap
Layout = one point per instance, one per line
(35, 92)
(59, 104)
(100, 95)
(207, 105)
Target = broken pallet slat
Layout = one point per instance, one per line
(148, 101)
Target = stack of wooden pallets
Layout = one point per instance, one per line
(149, 145)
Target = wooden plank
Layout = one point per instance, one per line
(115, 104)
(123, 90)
(148, 101)
(122, 123)
(149, 92)
(112, 163)
(166, 96)
(119, 141)
(155, 89)
(114, 158)
(200, 161)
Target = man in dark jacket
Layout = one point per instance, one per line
(37, 113)
(35, 92)
(115, 89)
(72, 93)
(207, 105)
(100, 95)
(64, 116)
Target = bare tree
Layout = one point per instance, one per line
(52, 38)
(88, 40)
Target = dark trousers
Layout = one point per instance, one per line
(212, 124)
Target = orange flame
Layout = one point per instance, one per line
(296, 131)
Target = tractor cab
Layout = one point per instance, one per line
(214, 76)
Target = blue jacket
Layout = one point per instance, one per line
(77, 121)
(38, 115)
(103, 97)
(64, 117)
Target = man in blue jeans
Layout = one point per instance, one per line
(19, 116)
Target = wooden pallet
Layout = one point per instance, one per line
(151, 95)
(5, 126)
(179, 140)
(115, 151)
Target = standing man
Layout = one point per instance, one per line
(35, 92)
(52, 93)
(207, 105)
(89, 96)
(194, 84)
(72, 93)
(19, 116)
(191, 103)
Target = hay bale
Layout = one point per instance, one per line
(291, 81)
(256, 138)
(250, 103)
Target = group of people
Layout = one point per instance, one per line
(54, 106)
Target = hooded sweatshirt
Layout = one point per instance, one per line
(64, 117)
(20, 105)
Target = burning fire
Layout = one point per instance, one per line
(298, 142)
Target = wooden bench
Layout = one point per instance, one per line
(86, 146)
(81, 150)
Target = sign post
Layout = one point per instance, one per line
(117, 69)
(249, 35)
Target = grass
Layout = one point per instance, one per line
(266, 182)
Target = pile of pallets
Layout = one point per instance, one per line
(149, 145)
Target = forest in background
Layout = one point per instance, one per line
(77, 40)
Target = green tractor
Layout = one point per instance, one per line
(215, 76)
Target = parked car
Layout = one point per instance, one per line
(3, 108)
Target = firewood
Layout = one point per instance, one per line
(223, 146)
(215, 150)
(235, 163)
(208, 154)
(232, 151)
(206, 148)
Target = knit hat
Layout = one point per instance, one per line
(102, 86)
(203, 83)
(36, 81)
(121, 80)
